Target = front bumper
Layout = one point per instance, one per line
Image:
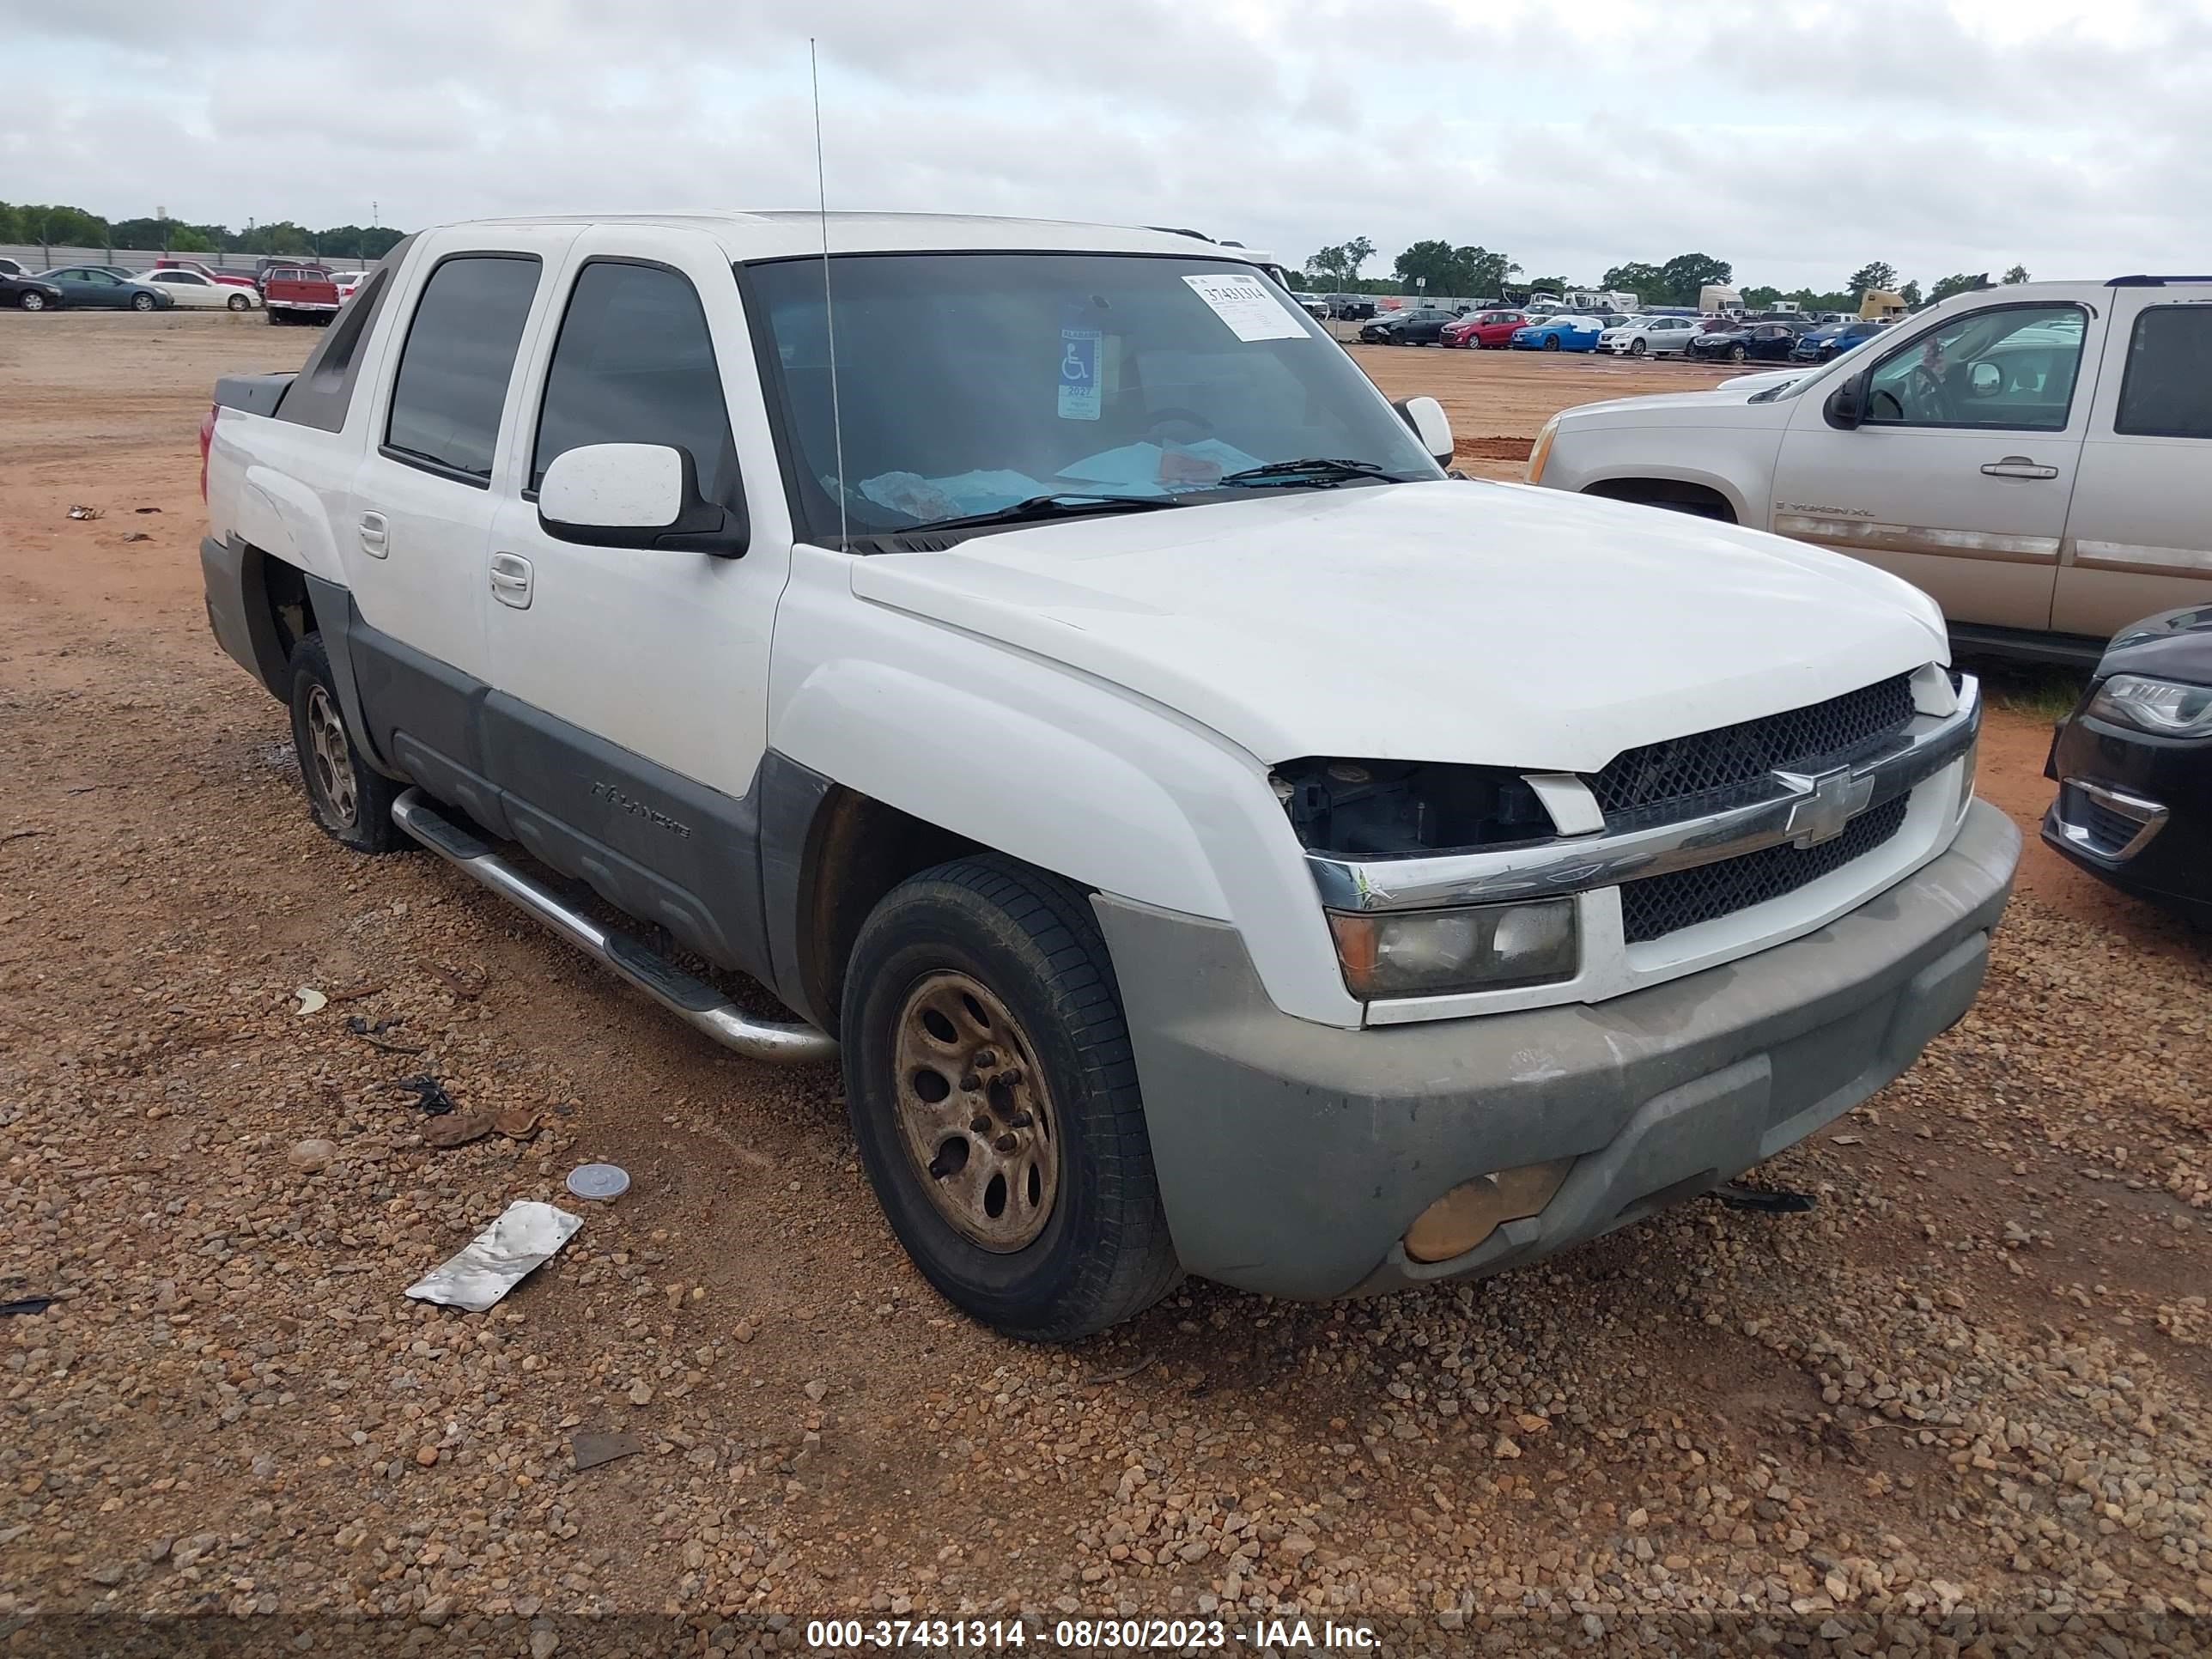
(1292, 1156)
(2107, 777)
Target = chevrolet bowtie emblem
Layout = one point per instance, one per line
(1827, 802)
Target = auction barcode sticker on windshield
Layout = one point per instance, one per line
(1245, 304)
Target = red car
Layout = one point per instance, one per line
(1484, 328)
(228, 278)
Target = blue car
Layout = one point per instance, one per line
(1823, 344)
(1561, 333)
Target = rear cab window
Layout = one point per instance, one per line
(456, 364)
(2167, 391)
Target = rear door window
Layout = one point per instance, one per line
(2167, 392)
(457, 359)
(633, 364)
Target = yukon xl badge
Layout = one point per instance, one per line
(638, 809)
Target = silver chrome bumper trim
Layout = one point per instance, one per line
(2148, 816)
(1803, 809)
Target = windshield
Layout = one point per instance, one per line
(969, 383)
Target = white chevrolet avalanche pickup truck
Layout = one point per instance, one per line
(1214, 840)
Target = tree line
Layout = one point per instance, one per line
(1479, 273)
(55, 226)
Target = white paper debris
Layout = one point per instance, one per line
(311, 1001)
(1245, 303)
(499, 1258)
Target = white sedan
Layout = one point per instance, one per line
(1652, 337)
(189, 287)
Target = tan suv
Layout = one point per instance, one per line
(2031, 456)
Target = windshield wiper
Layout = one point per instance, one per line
(1059, 504)
(1316, 469)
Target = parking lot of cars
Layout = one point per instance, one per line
(1969, 1391)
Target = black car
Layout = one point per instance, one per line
(1415, 325)
(1351, 307)
(1768, 342)
(2133, 764)
(30, 294)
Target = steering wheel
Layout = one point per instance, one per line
(1160, 417)
(1929, 393)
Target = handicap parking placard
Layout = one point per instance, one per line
(1079, 374)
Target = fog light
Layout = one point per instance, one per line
(1473, 1210)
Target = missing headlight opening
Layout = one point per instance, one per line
(1369, 808)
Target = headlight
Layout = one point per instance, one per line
(1483, 947)
(2161, 707)
(1540, 452)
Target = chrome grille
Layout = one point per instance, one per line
(1665, 904)
(1677, 776)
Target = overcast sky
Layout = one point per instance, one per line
(1796, 140)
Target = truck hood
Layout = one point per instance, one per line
(1469, 621)
(1728, 403)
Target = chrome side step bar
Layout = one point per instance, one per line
(690, 998)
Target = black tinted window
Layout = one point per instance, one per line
(459, 357)
(634, 365)
(2167, 392)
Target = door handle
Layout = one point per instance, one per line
(510, 579)
(375, 535)
(2019, 466)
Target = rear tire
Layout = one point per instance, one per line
(965, 976)
(349, 799)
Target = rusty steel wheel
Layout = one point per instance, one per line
(974, 1113)
(350, 799)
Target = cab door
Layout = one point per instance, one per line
(414, 532)
(2139, 534)
(1958, 477)
(628, 714)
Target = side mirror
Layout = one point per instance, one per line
(1431, 425)
(635, 495)
(1846, 406)
(1987, 380)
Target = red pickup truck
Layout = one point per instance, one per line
(298, 294)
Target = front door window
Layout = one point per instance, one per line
(2011, 368)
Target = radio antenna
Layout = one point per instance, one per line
(829, 310)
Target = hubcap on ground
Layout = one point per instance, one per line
(974, 1115)
(327, 752)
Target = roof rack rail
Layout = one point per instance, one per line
(2153, 282)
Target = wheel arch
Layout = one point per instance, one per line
(1706, 497)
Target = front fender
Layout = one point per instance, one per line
(1050, 765)
(1005, 776)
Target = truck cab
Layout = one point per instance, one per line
(1209, 838)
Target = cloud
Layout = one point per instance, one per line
(1795, 142)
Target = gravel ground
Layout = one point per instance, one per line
(1962, 1401)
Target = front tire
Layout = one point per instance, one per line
(1736, 354)
(141, 302)
(1551, 342)
(239, 302)
(1637, 347)
(31, 301)
(349, 799)
(994, 1097)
